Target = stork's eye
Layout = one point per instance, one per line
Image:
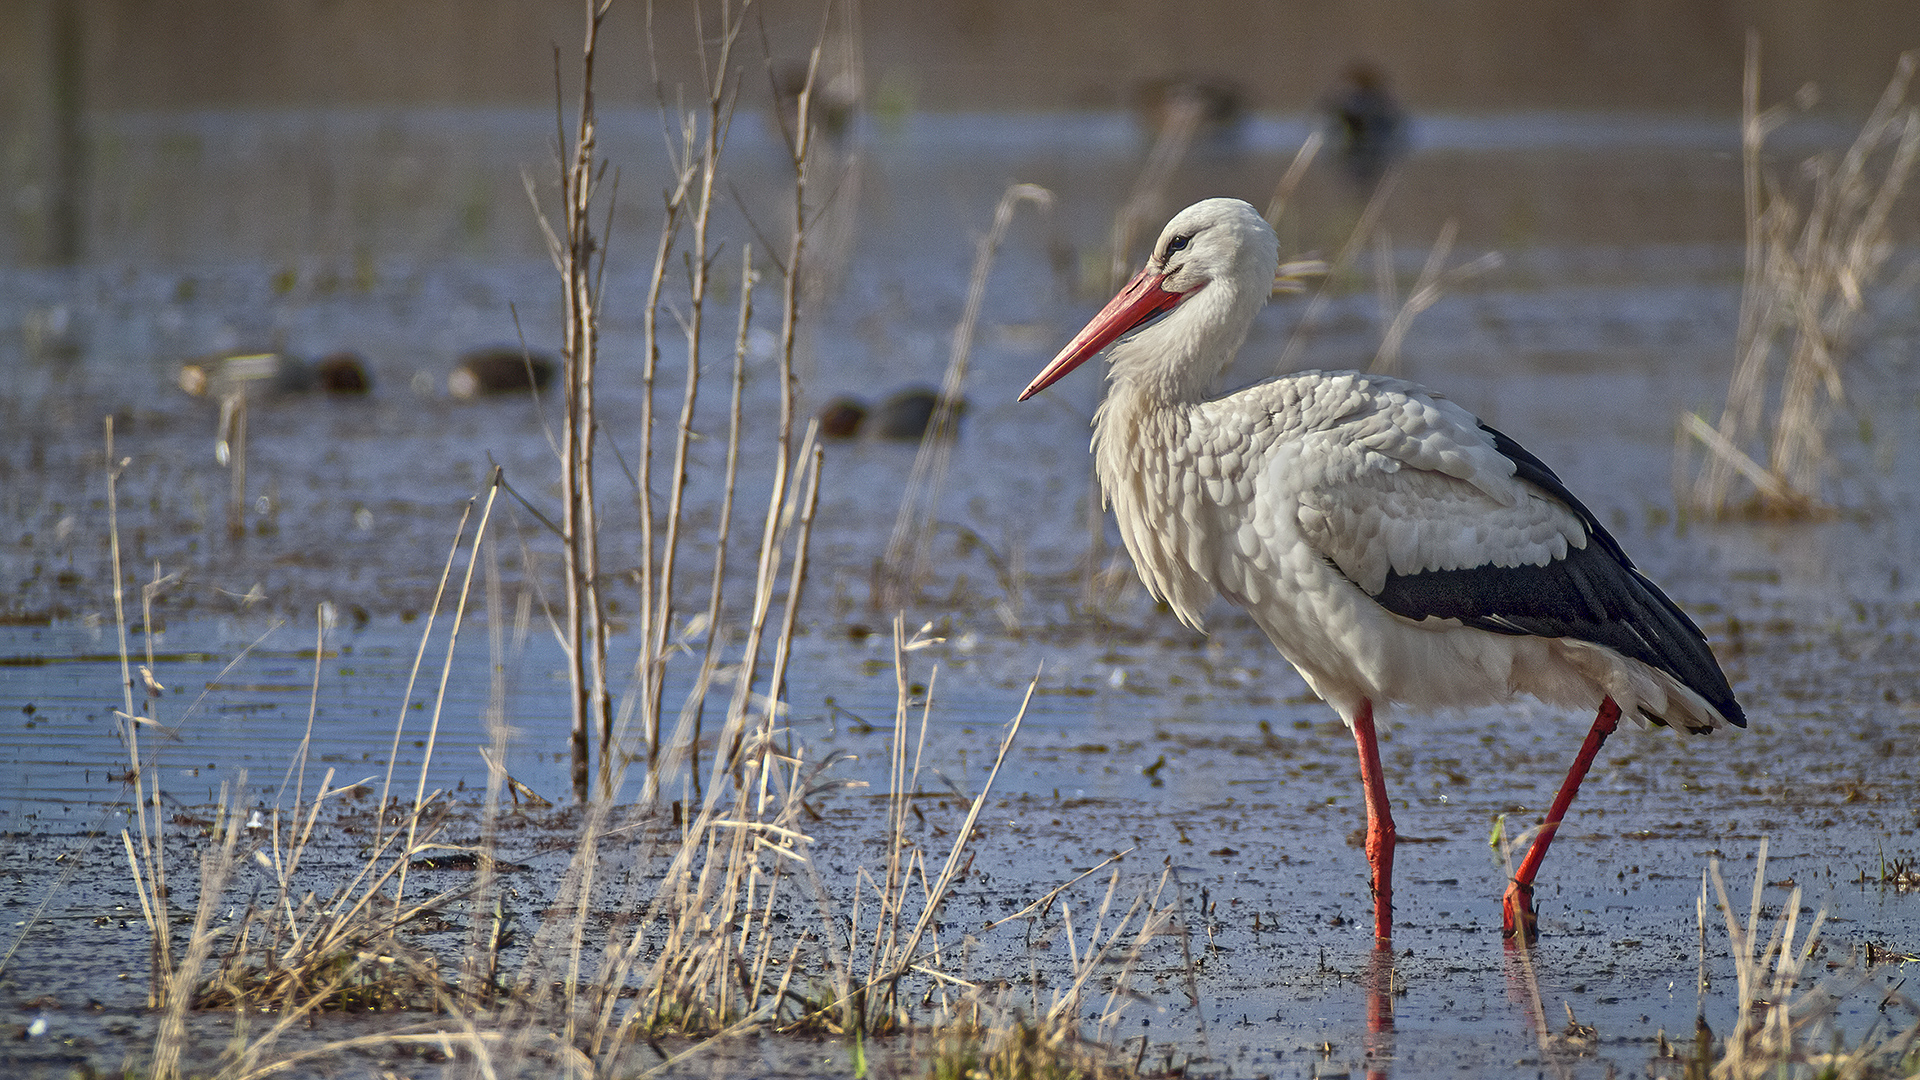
(1178, 243)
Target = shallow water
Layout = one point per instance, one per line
(1615, 308)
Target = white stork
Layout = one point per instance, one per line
(1395, 549)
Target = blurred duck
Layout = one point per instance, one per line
(224, 374)
(835, 103)
(842, 417)
(500, 371)
(342, 373)
(903, 417)
(1369, 126)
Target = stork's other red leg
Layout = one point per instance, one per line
(1518, 915)
(1380, 833)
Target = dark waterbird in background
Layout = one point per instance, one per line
(506, 370)
(904, 416)
(1369, 126)
(275, 372)
(1394, 548)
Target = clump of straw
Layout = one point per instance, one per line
(1786, 1030)
(1811, 258)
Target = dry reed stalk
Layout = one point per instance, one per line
(782, 508)
(1290, 180)
(860, 1013)
(574, 257)
(149, 863)
(1434, 280)
(904, 956)
(775, 695)
(446, 674)
(697, 168)
(488, 931)
(799, 150)
(297, 768)
(1808, 269)
(724, 527)
(905, 560)
(413, 675)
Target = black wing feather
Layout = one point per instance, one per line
(1594, 594)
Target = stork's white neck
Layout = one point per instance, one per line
(1176, 360)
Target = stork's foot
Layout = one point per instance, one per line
(1517, 918)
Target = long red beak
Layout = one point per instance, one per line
(1142, 299)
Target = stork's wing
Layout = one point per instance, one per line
(1436, 516)
(1403, 483)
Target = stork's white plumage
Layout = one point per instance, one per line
(1394, 548)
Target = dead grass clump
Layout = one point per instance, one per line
(1787, 1028)
(1813, 252)
(715, 946)
(991, 1035)
(1021, 1050)
(294, 950)
(302, 951)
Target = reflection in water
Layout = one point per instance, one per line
(1380, 982)
(1523, 991)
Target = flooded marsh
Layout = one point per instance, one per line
(1199, 768)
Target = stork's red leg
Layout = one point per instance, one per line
(1380, 833)
(1518, 915)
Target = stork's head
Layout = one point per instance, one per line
(1217, 258)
